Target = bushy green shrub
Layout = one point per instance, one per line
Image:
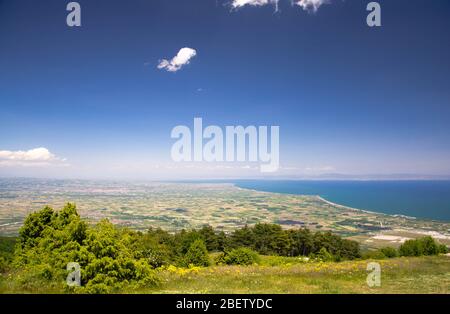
(197, 254)
(389, 252)
(429, 246)
(374, 254)
(411, 248)
(4, 264)
(241, 256)
(443, 249)
(49, 240)
(324, 256)
(418, 247)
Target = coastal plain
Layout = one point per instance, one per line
(224, 206)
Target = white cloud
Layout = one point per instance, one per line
(310, 5)
(241, 3)
(307, 5)
(33, 157)
(182, 58)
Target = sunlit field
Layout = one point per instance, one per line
(285, 275)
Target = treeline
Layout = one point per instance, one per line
(425, 246)
(265, 239)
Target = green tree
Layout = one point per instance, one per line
(429, 245)
(184, 240)
(242, 237)
(221, 241)
(49, 240)
(34, 225)
(389, 252)
(418, 247)
(443, 249)
(210, 238)
(324, 256)
(302, 242)
(241, 256)
(411, 248)
(197, 254)
(348, 250)
(271, 239)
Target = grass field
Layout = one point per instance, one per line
(289, 275)
(401, 275)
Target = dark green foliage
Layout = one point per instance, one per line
(221, 241)
(418, 247)
(7, 245)
(50, 240)
(389, 252)
(184, 239)
(34, 226)
(155, 246)
(302, 242)
(210, 238)
(197, 255)
(270, 239)
(374, 254)
(6, 253)
(443, 249)
(239, 256)
(335, 245)
(323, 255)
(411, 248)
(266, 239)
(429, 246)
(4, 264)
(243, 237)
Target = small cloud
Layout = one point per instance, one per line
(200, 90)
(182, 58)
(240, 3)
(256, 3)
(310, 5)
(307, 5)
(33, 157)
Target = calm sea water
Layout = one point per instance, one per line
(421, 199)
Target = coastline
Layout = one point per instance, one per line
(364, 210)
(337, 205)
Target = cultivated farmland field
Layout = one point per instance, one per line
(176, 206)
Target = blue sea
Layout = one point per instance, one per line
(421, 199)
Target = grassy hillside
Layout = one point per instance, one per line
(263, 258)
(400, 275)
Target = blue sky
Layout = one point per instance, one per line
(348, 98)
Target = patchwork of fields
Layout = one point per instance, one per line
(175, 206)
